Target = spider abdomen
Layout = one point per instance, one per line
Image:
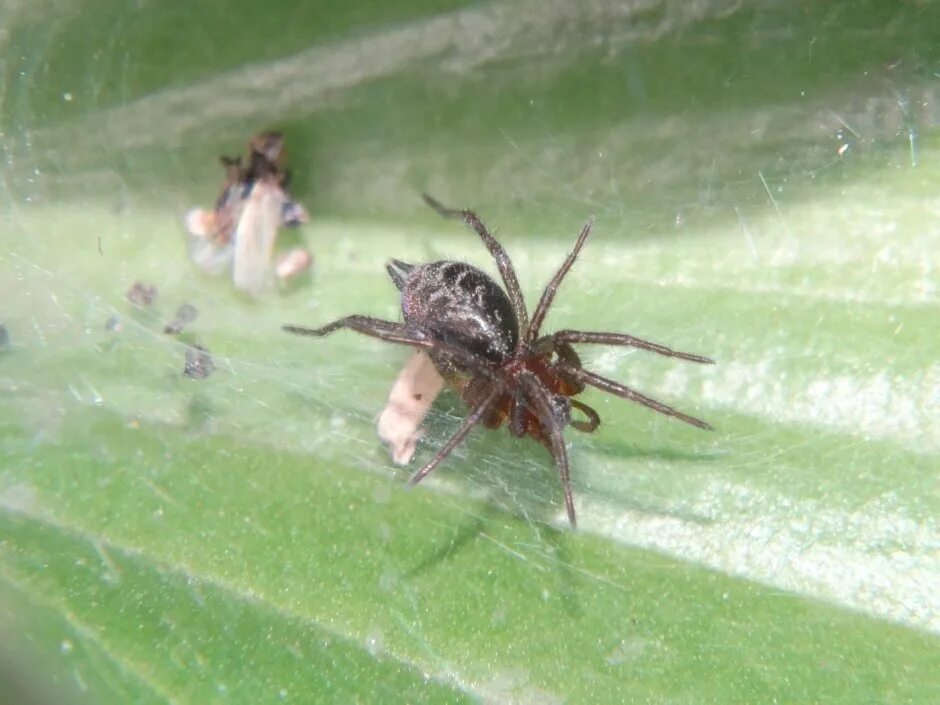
(460, 305)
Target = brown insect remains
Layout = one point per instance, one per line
(486, 347)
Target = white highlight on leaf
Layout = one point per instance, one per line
(901, 407)
(375, 641)
(799, 546)
(20, 497)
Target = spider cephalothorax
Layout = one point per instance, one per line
(483, 343)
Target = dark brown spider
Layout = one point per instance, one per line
(483, 343)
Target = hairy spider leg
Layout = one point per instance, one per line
(531, 333)
(537, 395)
(394, 332)
(468, 423)
(367, 325)
(579, 336)
(617, 389)
(503, 263)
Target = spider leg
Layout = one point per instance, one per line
(503, 263)
(624, 392)
(539, 397)
(468, 423)
(517, 417)
(594, 419)
(549, 294)
(580, 336)
(394, 333)
(367, 325)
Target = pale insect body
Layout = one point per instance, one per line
(414, 391)
(252, 269)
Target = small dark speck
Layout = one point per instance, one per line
(185, 314)
(142, 294)
(4, 337)
(418, 397)
(199, 363)
(114, 324)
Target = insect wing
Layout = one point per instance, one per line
(255, 235)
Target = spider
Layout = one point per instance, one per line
(483, 342)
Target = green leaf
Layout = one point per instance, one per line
(245, 538)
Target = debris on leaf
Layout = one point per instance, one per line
(142, 295)
(4, 337)
(415, 389)
(199, 363)
(240, 232)
(184, 314)
(114, 325)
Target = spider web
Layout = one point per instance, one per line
(772, 233)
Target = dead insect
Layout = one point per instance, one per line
(184, 314)
(199, 363)
(240, 232)
(486, 347)
(415, 389)
(141, 294)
